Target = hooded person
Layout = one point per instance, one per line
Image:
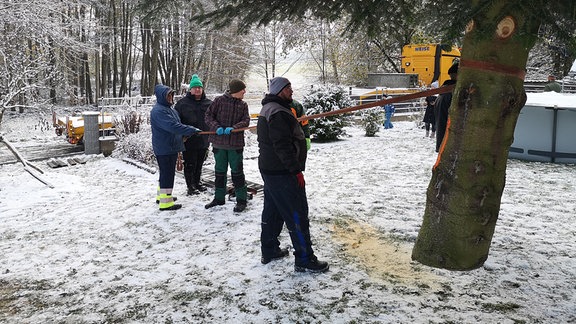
(192, 111)
(227, 113)
(282, 161)
(167, 142)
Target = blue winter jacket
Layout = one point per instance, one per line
(167, 130)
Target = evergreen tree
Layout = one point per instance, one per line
(371, 119)
(323, 99)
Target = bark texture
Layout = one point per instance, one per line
(463, 197)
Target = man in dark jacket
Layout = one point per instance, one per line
(192, 111)
(281, 162)
(226, 113)
(442, 105)
(167, 132)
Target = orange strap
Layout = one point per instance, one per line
(494, 67)
(442, 145)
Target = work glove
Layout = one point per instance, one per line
(228, 130)
(300, 179)
(308, 144)
(219, 131)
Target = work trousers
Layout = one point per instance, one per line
(167, 168)
(285, 203)
(234, 158)
(193, 162)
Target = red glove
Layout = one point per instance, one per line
(300, 179)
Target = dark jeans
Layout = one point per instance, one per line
(285, 202)
(193, 162)
(167, 167)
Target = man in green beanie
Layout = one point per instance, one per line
(192, 110)
(227, 113)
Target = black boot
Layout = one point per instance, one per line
(278, 255)
(200, 187)
(173, 207)
(192, 191)
(240, 206)
(313, 265)
(214, 203)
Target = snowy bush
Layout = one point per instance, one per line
(130, 123)
(324, 99)
(135, 139)
(371, 119)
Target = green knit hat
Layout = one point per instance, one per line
(196, 82)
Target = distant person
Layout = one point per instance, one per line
(442, 105)
(226, 113)
(552, 85)
(192, 111)
(282, 160)
(167, 142)
(429, 119)
(299, 111)
(388, 113)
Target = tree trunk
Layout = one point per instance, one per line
(463, 197)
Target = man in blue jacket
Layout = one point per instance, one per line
(167, 141)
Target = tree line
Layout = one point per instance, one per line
(77, 52)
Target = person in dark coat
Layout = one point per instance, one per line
(167, 142)
(192, 111)
(442, 106)
(282, 159)
(226, 113)
(429, 119)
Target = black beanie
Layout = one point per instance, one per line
(236, 86)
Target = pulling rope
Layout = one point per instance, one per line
(410, 96)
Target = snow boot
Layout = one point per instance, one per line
(214, 203)
(173, 207)
(278, 255)
(313, 265)
(240, 206)
(192, 191)
(200, 187)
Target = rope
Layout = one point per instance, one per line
(410, 96)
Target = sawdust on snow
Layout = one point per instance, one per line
(383, 258)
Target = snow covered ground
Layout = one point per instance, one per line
(95, 249)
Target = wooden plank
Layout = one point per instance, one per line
(208, 178)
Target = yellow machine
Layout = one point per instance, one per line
(430, 61)
(73, 126)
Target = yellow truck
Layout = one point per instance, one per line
(430, 61)
(73, 126)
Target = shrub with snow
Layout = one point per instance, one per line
(324, 99)
(135, 138)
(371, 119)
